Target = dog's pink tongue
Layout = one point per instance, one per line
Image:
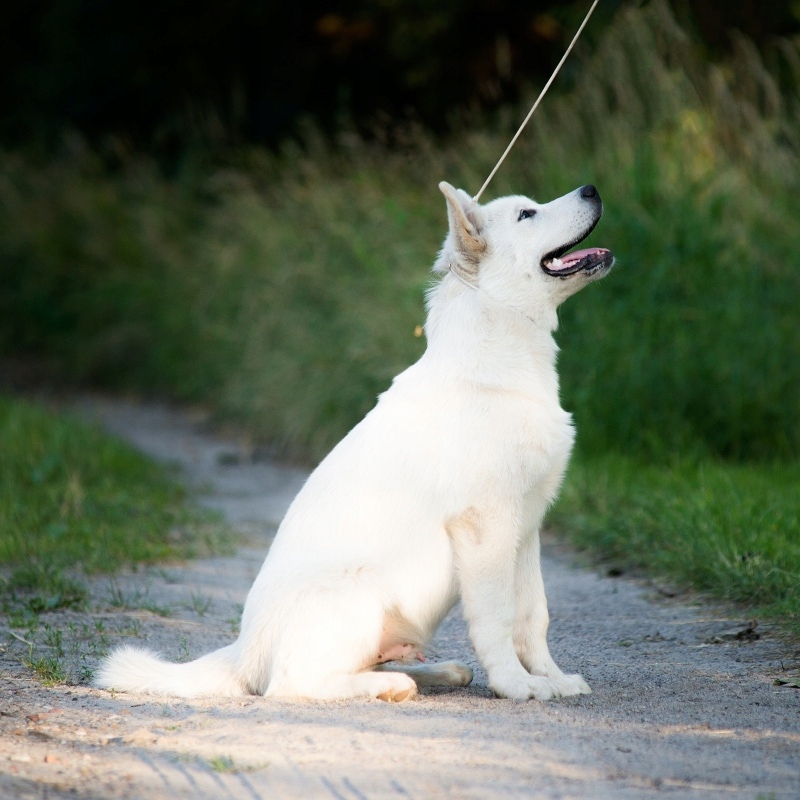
(578, 255)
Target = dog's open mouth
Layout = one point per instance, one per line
(590, 260)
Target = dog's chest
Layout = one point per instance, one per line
(536, 430)
(544, 456)
(545, 441)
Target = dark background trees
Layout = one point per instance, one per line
(158, 72)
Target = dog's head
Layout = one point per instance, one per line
(517, 251)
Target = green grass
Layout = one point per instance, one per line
(227, 764)
(732, 531)
(284, 290)
(222, 764)
(49, 669)
(73, 498)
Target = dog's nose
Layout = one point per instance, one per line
(589, 191)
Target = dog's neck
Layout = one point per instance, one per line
(548, 322)
(473, 335)
(457, 273)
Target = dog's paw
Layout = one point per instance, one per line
(527, 687)
(458, 674)
(565, 685)
(395, 687)
(569, 685)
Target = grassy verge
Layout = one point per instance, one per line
(74, 501)
(732, 531)
(72, 496)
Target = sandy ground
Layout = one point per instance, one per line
(684, 704)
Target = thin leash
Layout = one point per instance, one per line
(538, 100)
(455, 272)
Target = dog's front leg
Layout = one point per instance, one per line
(485, 547)
(533, 619)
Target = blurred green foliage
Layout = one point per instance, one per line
(285, 289)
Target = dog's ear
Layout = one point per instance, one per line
(465, 218)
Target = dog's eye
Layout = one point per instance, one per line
(525, 213)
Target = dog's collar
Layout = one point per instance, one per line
(460, 277)
(456, 274)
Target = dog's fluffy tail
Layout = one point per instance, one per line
(134, 669)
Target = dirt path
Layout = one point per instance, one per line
(682, 708)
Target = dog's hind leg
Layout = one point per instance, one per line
(325, 642)
(393, 687)
(445, 673)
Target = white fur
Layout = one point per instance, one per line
(437, 494)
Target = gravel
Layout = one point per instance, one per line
(685, 701)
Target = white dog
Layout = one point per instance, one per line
(437, 494)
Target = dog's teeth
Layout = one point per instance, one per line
(557, 262)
